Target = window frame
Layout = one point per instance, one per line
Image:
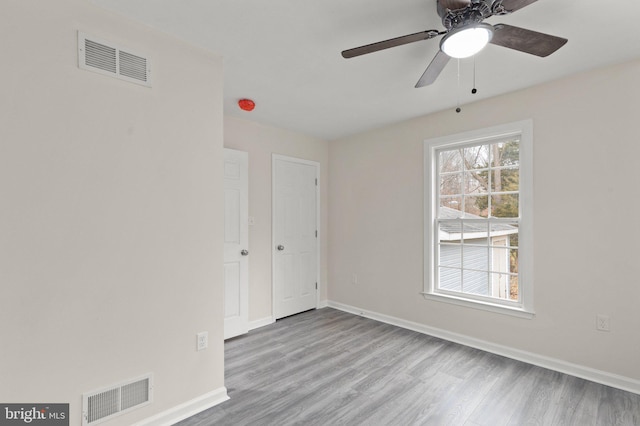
(524, 130)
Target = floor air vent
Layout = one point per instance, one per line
(107, 403)
(106, 58)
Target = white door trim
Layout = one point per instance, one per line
(274, 158)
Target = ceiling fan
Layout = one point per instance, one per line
(466, 34)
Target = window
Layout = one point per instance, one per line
(478, 221)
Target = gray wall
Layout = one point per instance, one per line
(111, 217)
(585, 167)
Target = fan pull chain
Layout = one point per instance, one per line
(474, 90)
(458, 109)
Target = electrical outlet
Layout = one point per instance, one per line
(602, 323)
(202, 341)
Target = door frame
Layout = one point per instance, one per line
(316, 165)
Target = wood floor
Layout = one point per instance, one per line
(327, 367)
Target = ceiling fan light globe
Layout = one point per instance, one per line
(465, 42)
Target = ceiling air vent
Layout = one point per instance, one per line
(106, 403)
(108, 59)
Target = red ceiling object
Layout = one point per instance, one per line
(246, 104)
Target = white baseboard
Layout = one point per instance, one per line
(187, 409)
(587, 373)
(260, 323)
(323, 304)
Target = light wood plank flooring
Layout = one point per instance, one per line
(327, 367)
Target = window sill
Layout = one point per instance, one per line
(484, 306)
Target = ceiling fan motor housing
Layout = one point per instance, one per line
(461, 13)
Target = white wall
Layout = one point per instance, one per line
(110, 218)
(261, 141)
(586, 153)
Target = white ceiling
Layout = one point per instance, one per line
(285, 55)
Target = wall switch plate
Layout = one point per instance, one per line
(602, 323)
(202, 341)
(354, 279)
(252, 220)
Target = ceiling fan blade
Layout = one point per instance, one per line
(513, 5)
(434, 69)
(527, 41)
(398, 41)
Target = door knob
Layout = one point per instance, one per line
(245, 252)
(280, 247)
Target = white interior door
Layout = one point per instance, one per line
(295, 239)
(236, 243)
